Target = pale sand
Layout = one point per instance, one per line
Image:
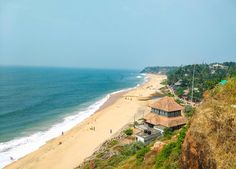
(80, 142)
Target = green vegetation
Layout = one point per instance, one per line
(118, 153)
(169, 156)
(164, 82)
(166, 158)
(170, 95)
(179, 101)
(140, 154)
(164, 155)
(167, 134)
(206, 77)
(189, 110)
(131, 149)
(179, 91)
(113, 153)
(112, 143)
(165, 91)
(158, 69)
(128, 132)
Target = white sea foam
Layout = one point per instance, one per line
(145, 77)
(13, 150)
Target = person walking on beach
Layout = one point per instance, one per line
(110, 131)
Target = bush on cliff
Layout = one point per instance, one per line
(189, 110)
(169, 155)
(140, 154)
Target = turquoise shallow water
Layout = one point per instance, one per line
(37, 104)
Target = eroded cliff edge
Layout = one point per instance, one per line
(211, 139)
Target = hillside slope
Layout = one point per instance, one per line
(211, 139)
(206, 77)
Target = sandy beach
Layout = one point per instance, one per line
(70, 149)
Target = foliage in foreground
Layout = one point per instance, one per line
(140, 154)
(167, 134)
(169, 155)
(114, 154)
(128, 132)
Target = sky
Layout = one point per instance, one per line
(126, 34)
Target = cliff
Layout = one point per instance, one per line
(211, 139)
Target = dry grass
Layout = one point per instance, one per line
(215, 120)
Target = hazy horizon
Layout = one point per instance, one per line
(116, 34)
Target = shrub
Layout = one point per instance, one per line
(164, 154)
(179, 91)
(169, 155)
(167, 134)
(164, 82)
(140, 154)
(128, 132)
(182, 134)
(131, 149)
(180, 139)
(179, 101)
(169, 94)
(189, 110)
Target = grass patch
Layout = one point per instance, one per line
(169, 155)
(167, 134)
(140, 155)
(114, 154)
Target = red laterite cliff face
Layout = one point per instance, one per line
(196, 153)
(211, 139)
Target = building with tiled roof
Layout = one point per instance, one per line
(165, 113)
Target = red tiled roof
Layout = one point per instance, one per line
(167, 104)
(155, 119)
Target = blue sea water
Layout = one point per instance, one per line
(36, 104)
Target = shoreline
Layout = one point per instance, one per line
(112, 99)
(103, 102)
(98, 105)
(81, 140)
(114, 96)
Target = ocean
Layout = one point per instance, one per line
(37, 104)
